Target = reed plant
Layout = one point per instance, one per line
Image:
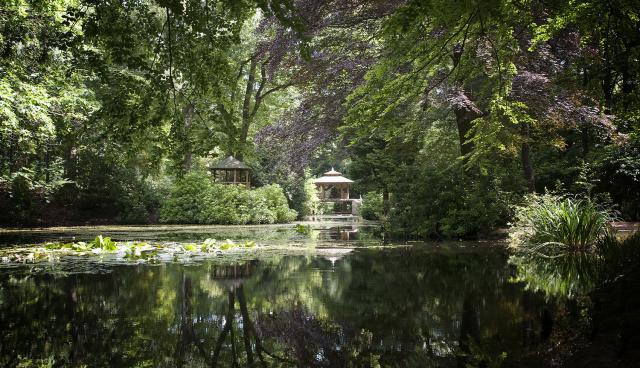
(554, 226)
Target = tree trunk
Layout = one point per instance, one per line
(469, 329)
(386, 206)
(186, 323)
(525, 156)
(464, 118)
(585, 127)
(69, 161)
(247, 326)
(246, 112)
(47, 164)
(608, 83)
(585, 140)
(466, 112)
(228, 326)
(10, 157)
(187, 117)
(628, 86)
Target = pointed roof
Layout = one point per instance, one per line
(332, 177)
(332, 172)
(230, 163)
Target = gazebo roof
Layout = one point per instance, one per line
(230, 163)
(332, 172)
(332, 177)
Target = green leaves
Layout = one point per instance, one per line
(372, 207)
(228, 244)
(194, 199)
(108, 250)
(99, 243)
(104, 243)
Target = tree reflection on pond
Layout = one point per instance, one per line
(403, 307)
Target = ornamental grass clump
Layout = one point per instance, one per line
(554, 226)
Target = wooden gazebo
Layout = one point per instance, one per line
(333, 187)
(231, 171)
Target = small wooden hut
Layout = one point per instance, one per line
(231, 171)
(332, 186)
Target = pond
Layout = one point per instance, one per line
(327, 295)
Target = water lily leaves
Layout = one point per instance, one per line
(191, 247)
(106, 249)
(104, 243)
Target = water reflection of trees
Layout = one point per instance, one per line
(387, 307)
(226, 349)
(401, 308)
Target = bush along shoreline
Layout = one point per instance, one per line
(194, 199)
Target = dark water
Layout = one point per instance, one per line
(330, 231)
(443, 305)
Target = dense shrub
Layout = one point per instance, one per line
(372, 206)
(23, 197)
(224, 204)
(552, 225)
(275, 201)
(186, 200)
(139, 200)
(311, 205)
(448, 206)
(194, 199)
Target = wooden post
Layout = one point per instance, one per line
(235, 176)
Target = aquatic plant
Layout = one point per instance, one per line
(105, 247)
(100, 242)
(302, 229)
(140, 250)
(228, 244)
(104, 243)
(552, 226)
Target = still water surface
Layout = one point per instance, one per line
(439, 304)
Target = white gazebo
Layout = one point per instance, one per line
(333, 187)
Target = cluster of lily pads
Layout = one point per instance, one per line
(104, 246)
